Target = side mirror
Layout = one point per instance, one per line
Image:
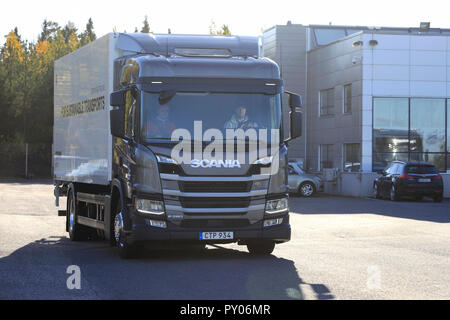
(295, 118)
(117, 98)
(295, 100)
(117, 122)
(295, 115)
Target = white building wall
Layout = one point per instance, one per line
(401, 66)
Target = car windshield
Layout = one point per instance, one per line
(421, 169)
(160, 117)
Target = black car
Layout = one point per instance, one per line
(413, 179)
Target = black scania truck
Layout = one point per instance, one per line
(125, 103)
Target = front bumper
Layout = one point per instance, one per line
(142, 232)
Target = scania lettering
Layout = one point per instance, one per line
(121, 104)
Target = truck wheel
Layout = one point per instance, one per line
(306, 189)
(126, 250)
(262, 248)
(77, 232)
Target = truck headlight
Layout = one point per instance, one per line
(164, 159)
(277, 206)
(264, 161)
(149, 206)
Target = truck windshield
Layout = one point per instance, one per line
(215, 111)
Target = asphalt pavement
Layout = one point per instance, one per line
(341, 248)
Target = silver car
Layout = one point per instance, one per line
(303, 183)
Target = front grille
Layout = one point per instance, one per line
(219, 223)
(207, 202)
(215, 186)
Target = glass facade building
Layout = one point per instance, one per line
(415, 129)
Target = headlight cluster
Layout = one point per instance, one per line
(264, 161)
(149, 206)
(164, 159)
(277, 206)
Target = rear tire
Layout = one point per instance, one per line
(306, 189)
(262, 248)
(77, 232)
(394, 194)
(437, 199)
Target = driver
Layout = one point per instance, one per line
(161, 126)
(240, 120)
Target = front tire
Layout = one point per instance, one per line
(376, 191)
(261, 248)
(126, 250)
(306, 189)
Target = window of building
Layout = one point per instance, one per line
(427, 125)
(448, 133)
(352, 157)
(348, 98)
(410, 129)
(326, 156)
(390, 131)
(326, 102)
(325, 36)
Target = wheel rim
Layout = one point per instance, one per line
(393, 192)
(307, 189)
(375, 190)
(118, 226)
(71, 214)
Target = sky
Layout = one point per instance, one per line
(244, 17)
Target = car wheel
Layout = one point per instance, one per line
(376, 191)
(437, 199)
(306, 189)
(394, 194)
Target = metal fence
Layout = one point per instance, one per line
(25, 160)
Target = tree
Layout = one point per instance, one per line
(68, 30)
(49, 29)
(224, 30)
(146, 27)
(88, 35)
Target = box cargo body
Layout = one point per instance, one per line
(117, 104)
(82, 141)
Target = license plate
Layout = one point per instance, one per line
(424, 180)
(217, 235)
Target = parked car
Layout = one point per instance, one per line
(303, 183)
(413, 179)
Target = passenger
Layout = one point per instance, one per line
(161, 126)
(239, 120)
